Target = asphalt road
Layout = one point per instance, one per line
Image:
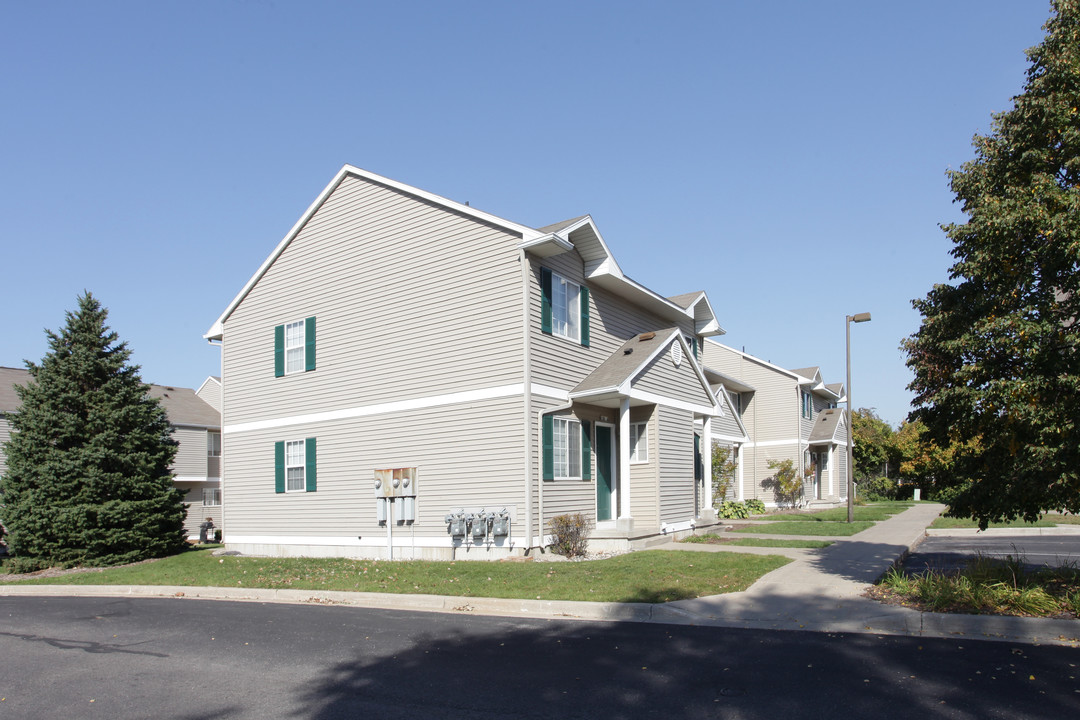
(183, 658)
(946, 553)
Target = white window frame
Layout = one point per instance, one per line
(295, 460)
(736, 401)
(213, 449)
(639, 443)
(565, 308)
(807, 409)
(215, 497)
(566, 448)
(295, 347)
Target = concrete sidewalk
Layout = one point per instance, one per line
(820, 590)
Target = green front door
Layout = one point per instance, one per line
(605, 476)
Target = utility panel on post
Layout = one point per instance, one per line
(395, 482)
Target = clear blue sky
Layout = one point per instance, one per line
(788, 158)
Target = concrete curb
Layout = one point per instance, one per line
(975, 532)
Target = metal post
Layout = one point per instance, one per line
(858, 317)
(850, 431)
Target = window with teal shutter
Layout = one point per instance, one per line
(586, 450)
(548, 446)
(294, 466)
(309, 478)
(279, 351)
(545, 300)
(309, 344)
(583, 297)
(294, 347)
(564, 307)
(279, 467)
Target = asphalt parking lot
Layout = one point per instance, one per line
(949, 553)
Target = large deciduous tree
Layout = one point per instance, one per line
(997, 370)
(88, 480)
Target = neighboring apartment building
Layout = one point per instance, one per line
(196, 419)
(488, 367)
(787, 414)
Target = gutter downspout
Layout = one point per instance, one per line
(523, 260)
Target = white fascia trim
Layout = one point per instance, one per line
(562, 242)
(731, 438)
(655, 399)
(195, 479)
(550, 392)
(467, 396)
(217, 330)
(758, 360)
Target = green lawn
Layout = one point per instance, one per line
(1049, 520)
(714, 539)
(801, 527)
(872, 513)
(649, 576)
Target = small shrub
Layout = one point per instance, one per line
(724, 468)
(570, 535)
(877, 489)
(755, 506)
(732, 509)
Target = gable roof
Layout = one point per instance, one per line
(579, 233)
(825, 427)
(182, 405)
(615, 376)
(9, 378)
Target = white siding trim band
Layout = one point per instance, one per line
(492, 393)
(195, 479)
(378, 541)
(775, 443)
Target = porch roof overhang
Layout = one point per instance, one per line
(613, 381)
(826, 427)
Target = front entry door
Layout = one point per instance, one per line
(605, 472)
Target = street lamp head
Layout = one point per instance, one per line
(860, 317)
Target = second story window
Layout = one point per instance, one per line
(807, 405)
(294, 347)
(213, 444)
(564, 307)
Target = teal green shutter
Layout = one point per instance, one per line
(548, 443)
(309, 344)
(694, 348)
(586, 450)
(545, 300)
(279, 351)
(309, 461)
(584, 297)
(279, 467)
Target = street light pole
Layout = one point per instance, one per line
(858, 317)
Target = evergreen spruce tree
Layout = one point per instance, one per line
(88, 479)
(996, 361)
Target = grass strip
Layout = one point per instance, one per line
(869, 513)
(1049, 520)
(714, 539)
(647, 576)
(827, 529)
(986, 586)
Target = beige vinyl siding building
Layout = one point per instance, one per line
(196, 428)
(393, 328)
(782, 412)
